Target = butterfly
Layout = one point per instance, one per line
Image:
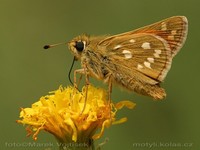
(137, 60)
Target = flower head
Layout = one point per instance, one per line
(60, 113)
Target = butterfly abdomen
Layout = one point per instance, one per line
(154, 91)
(146, 89)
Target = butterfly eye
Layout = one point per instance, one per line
(79, 46)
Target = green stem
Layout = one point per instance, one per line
(89, 145)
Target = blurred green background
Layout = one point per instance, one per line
(28, 71)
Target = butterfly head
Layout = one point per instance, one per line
(78, 45)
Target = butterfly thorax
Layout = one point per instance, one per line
(93, 57)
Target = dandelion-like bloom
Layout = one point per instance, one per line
(61, 114)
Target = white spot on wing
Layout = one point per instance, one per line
(151, 60)
(117, 46)
(157, 53)
(173, 32)
(147, 64)
(132, 41)
(139, 66)
(127, 54)
(146, 45)
(170, 37)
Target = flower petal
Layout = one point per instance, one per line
(122, 120)
(128, 104)
(106, 123)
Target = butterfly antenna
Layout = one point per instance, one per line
(52, 45)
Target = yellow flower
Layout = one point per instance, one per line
(61, 114)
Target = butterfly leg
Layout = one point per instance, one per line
(109, 89)
(78, 71)
(82, 71)
(109, 81)
(79, 80)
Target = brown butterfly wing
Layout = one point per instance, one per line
(151, 48)
(173, 30)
